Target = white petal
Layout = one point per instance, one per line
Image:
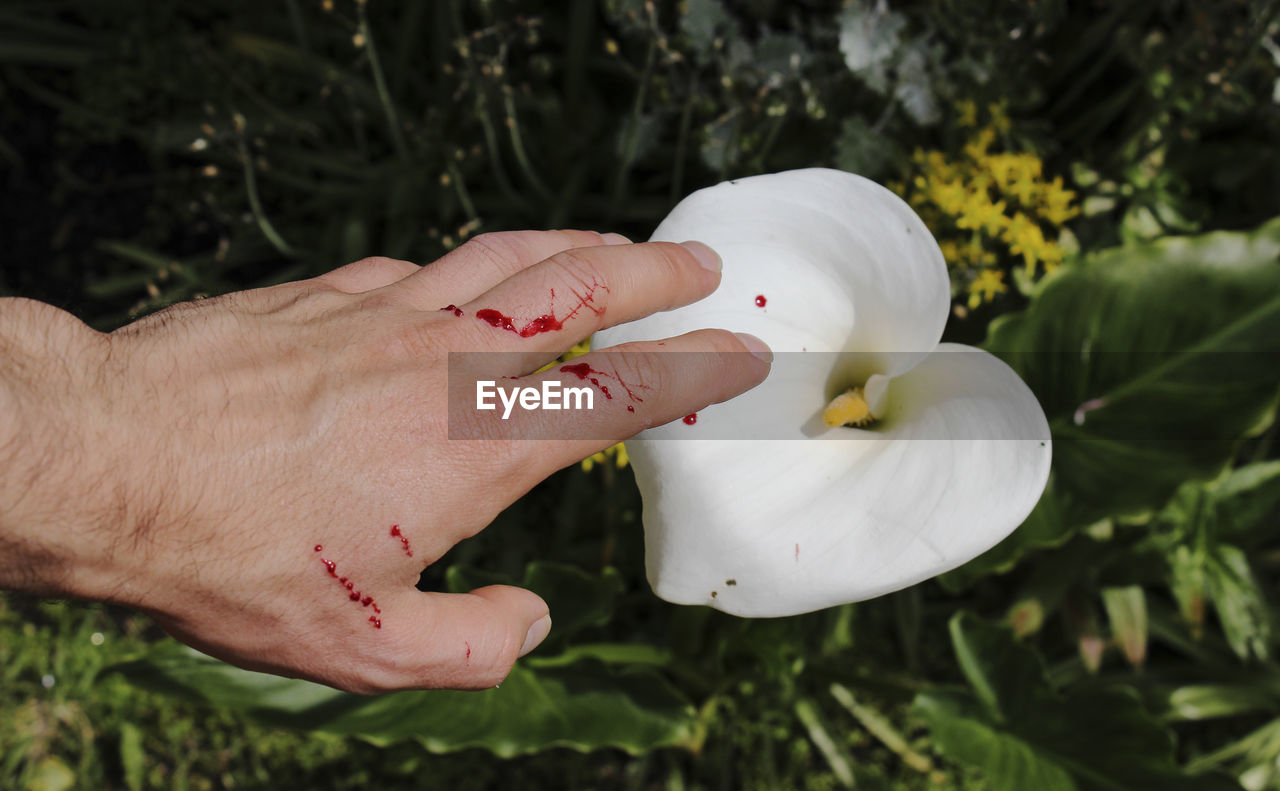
(770, 528)
(843, 265)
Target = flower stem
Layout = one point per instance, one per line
(380, 82)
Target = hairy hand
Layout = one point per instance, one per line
(271, 470)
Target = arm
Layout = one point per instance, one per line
(268, 473)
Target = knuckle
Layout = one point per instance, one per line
(394, 266)
(495, 249)
(575, 238)
(577, 269)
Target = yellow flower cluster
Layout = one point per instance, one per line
(989, 206)
(618, 453)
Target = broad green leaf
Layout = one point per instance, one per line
(174, 669)
(1024, 735)
(962, 733)
(1004, 674)
(1151, 362)
(584, 705)
(609, 653)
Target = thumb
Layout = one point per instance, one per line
(472, 640)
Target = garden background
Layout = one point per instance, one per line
(1104, 179)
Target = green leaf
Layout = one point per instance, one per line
(1023, 735)
(961, 733)
(609, 653)
(1238, 600)
(866, 151)
(1127, 611)
(706, 23)
(1207, 701)
(1198, 526)
(584, 705)
(869, 36)
(1151, 362)
(1248, 498)
(132, 757)
(837, 757)
(51, 774)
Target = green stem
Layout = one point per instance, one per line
(255, 203)
(380, 82)
(770, 140)
(495, 154)
(682, 139)
(464, 197)
(299, 27)
(633, 133)
(517, 145)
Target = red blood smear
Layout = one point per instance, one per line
(496, 319)
(468, 652)
(760, 301)
(331, 566)
(376, 621)
(689, 420)
(454, 309)
(319, 548)
(377, 609)
(630, 408)
(547, 322)
(544, 323)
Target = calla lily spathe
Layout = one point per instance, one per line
(795, 520)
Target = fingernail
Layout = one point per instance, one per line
(536, 634)
(757, 347)
(614, 238)
(709, 258)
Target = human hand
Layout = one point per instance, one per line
(268, 473)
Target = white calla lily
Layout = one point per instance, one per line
(856, 293)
